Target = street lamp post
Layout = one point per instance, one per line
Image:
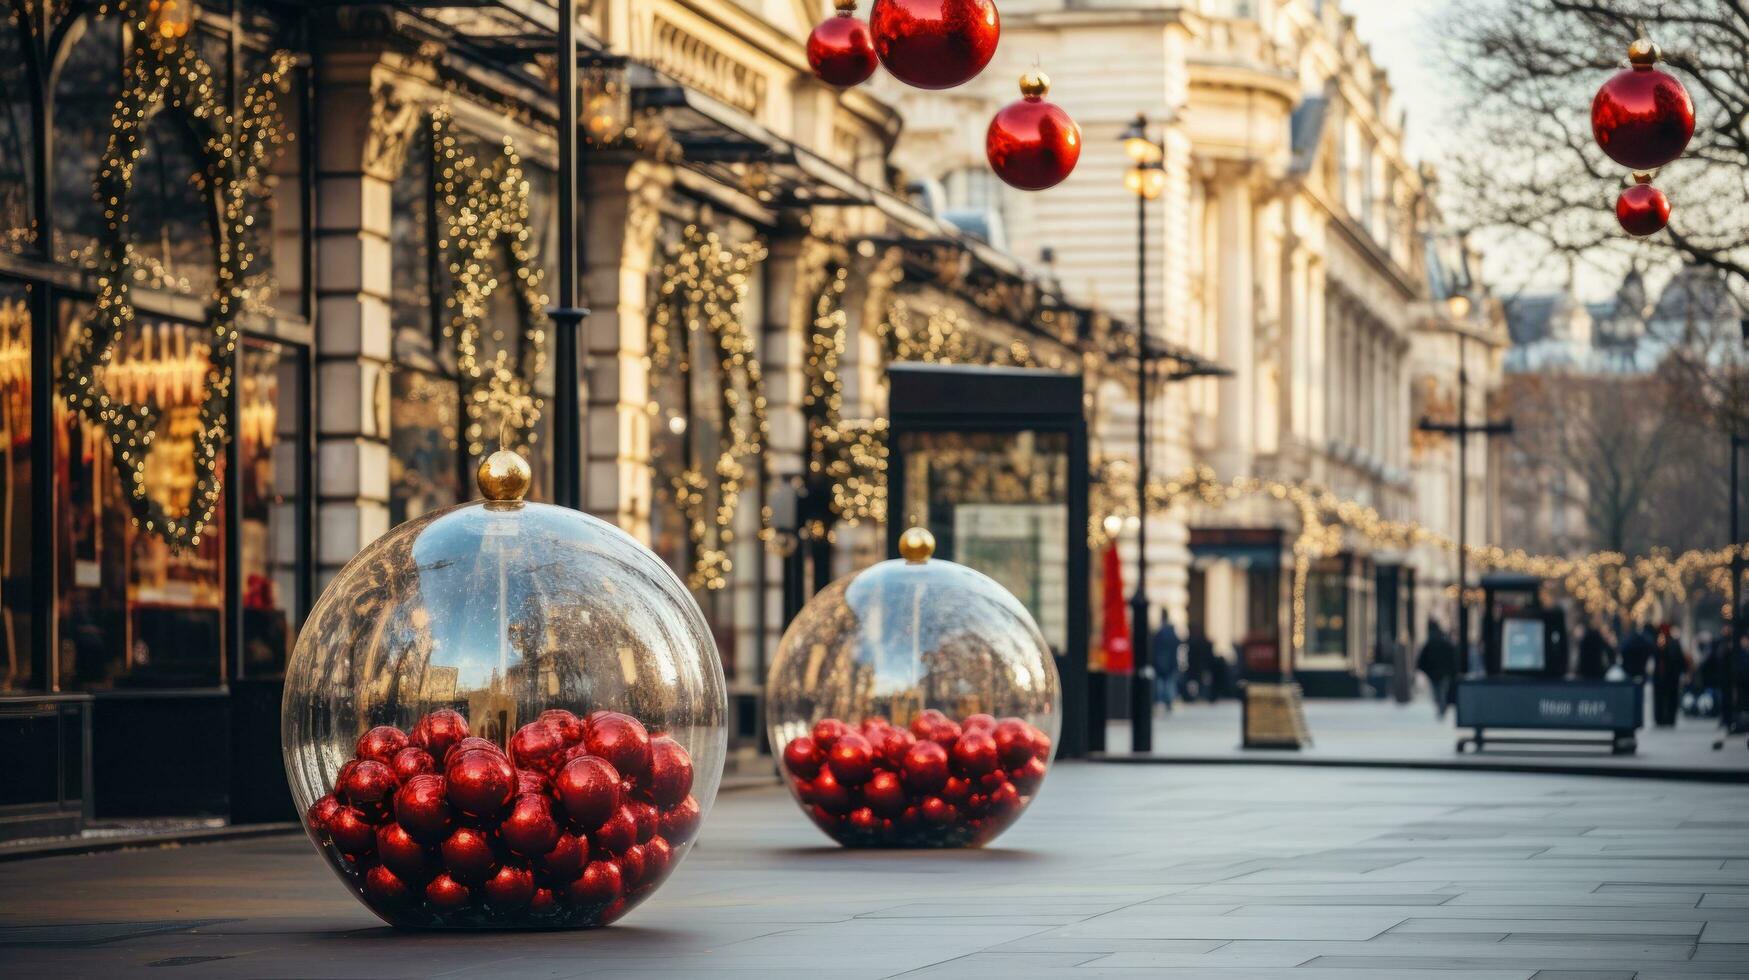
(1145, 178)
(568, 315)
(1461, 430)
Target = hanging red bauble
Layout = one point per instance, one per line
(841, 50)
(1642, 117)
(1642, 209)
(935, 43)
(1033, 144)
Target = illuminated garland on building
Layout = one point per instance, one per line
(163, 74)
(703, 289)
(483, 207)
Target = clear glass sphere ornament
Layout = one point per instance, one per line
(504, 714)
(914, 704)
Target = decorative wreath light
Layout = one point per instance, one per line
(484, 207)
(704, 289)
(162, 74)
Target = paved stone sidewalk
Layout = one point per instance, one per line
(1135, 871)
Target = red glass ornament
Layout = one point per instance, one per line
(320, 813)
(827, 732)
(529, 781)
(470, 744)
(385, 889)
(446, 894)
(956, 790)
(530, 829)
(412, 761)
(588, 789)
(439, 730)
(570, 726)
(538, 745)
(617, 832)
(543, 903)
(658, 860)
(829, 794)
(892, 745)
(565, 860)
(885, 794)
(803, 758)
(975, 753)
(670, 771)
(351, 832)
(680, 822)
(841, 49)
(621, 740)
(479, 782)
(1642, 117)
(380, 744)
(631, 867)
(1014, 743)
(979, 723)
(422, 808)
(926, 766)
(935, 44)
(369, 786)
(510, 888)
(1642, 209)
(923, 726)
(600, 884)
(404, 855)
(863, 820)
(938, 811)
(645, 819)
(469, 856)
(1027, 778)
(851, 759)
(1032, 144)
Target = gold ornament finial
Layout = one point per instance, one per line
(916, 545)
(1035, 84)
(1642, 176)
(845, 7)
(1643, 53)
(504, 475)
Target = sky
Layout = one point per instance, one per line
(1403, 42)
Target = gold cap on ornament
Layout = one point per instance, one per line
(504, 475)
(1035, 84)
(916, 545)
(845, 7)
(1643, 53)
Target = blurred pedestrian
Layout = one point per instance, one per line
(1439, 661)
(1165, 654)
(1636, 652)
(1200, 663)
(1594, 653)
(1669, 665)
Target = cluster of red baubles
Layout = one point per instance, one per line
(938, 784)
(575, 823)
(938, 44)
(1642, 118)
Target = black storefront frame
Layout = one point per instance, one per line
(941, 398)
(213, 719)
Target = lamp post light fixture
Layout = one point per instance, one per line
(1145, 178)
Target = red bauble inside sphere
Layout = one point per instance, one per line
(851, 759)
(412, 761)
(1642, 117)
(1032, 144)
(645, 818)
(828, 793)
(979, 723)
(617, 832)
(621, 740)
(1642, 210)
(538, 745)
(680, 822)
(935, 43)
(658, 858)
(803, 758)
(471, 744)
(588, 791)
(404, 855)
(380, 743)
(975, 753)
(827, 732)
(565, 860)
(544, 902)
(351, 832)
(631, 867)
(841, 51)
(1028, 777)
(469, 856)
(447, 894)
(926, 767)
(570, 726)
(892, 744)
(479, 782)
(885, 794)
(369, 785)
(1014, 743)
(529, 781)
(510, 888)
(530, 829)
(320, 813)
(439, 730)
(599, 884)
(422, 807)
(385, 889)
(670, 771)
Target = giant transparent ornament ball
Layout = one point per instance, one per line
(914, 704)
(504, 714)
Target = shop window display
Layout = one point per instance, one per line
(17, 535)
(86, 91)
(270, 377)
(17, 122)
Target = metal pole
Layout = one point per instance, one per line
(1463, 521)
(1141, 685)
(568, 315)
(1728, 696)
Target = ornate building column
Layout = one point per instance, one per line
(372, 111)
(620, 223)
(1238, 325)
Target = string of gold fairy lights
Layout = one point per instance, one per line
(162, 73)
(703, 290)
(484, 207)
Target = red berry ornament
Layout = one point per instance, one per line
(403, 855)
(851, 759)
(412, 761)
(422, 809)
(570, 726)
(588, 791)
(380, 744)
(841, 49)
(621, 740)
(1642, 117)
(511, 888)
(385, 889)
(565, 860)
(468, 856)
(446, 894)
(935, 44)
(439, 730)
(530, 829)
(670, 771)
(1032, 144)
(680, 823)
(803, 758)
(479, 782)
(1642, 209)
(369, 786)
(539, 746)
